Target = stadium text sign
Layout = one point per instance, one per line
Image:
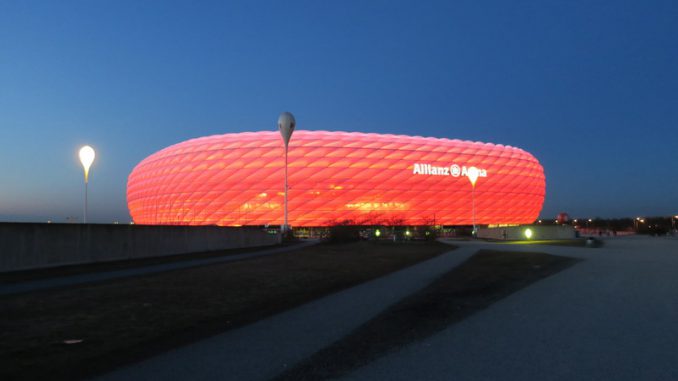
(453, 170)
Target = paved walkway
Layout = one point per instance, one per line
(42, 284)
(611, 317)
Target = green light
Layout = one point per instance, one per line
(377, 233)
(528, 233)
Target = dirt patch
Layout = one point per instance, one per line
(82, 331)
(484, 278)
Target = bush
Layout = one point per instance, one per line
(288, 236)
(430, 234)
(344, 231)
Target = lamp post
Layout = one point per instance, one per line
(286, 124)
(473, 174)
(86, 158)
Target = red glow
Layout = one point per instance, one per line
(237, 179)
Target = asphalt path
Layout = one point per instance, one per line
(73, 280)
(613, 316)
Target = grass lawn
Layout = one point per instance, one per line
(82, 331)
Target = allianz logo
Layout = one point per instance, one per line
(453, 170)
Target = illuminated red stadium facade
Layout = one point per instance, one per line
(237, 179)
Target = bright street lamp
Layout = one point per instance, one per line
(86, 158)
(473, 174)
(528, 233)
(286, 124)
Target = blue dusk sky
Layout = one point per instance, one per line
(590, 88)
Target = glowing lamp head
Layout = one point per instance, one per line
(286, 125)
(377, 233)
(86, 158)
(528, 233)
(473, 174)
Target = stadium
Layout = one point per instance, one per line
(366, 178)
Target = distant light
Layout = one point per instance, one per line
(377, 233)
(528, 233)
(540, 221)
(86, 158)
(590, 220)
(407, 232)
(575, 221)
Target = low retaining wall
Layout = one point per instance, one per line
(517, 233)
(26, 246)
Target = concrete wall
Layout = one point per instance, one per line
(538, 232)
(31, 245)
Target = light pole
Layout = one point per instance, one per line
(286, 124)
(473, 174)
(86, 158)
